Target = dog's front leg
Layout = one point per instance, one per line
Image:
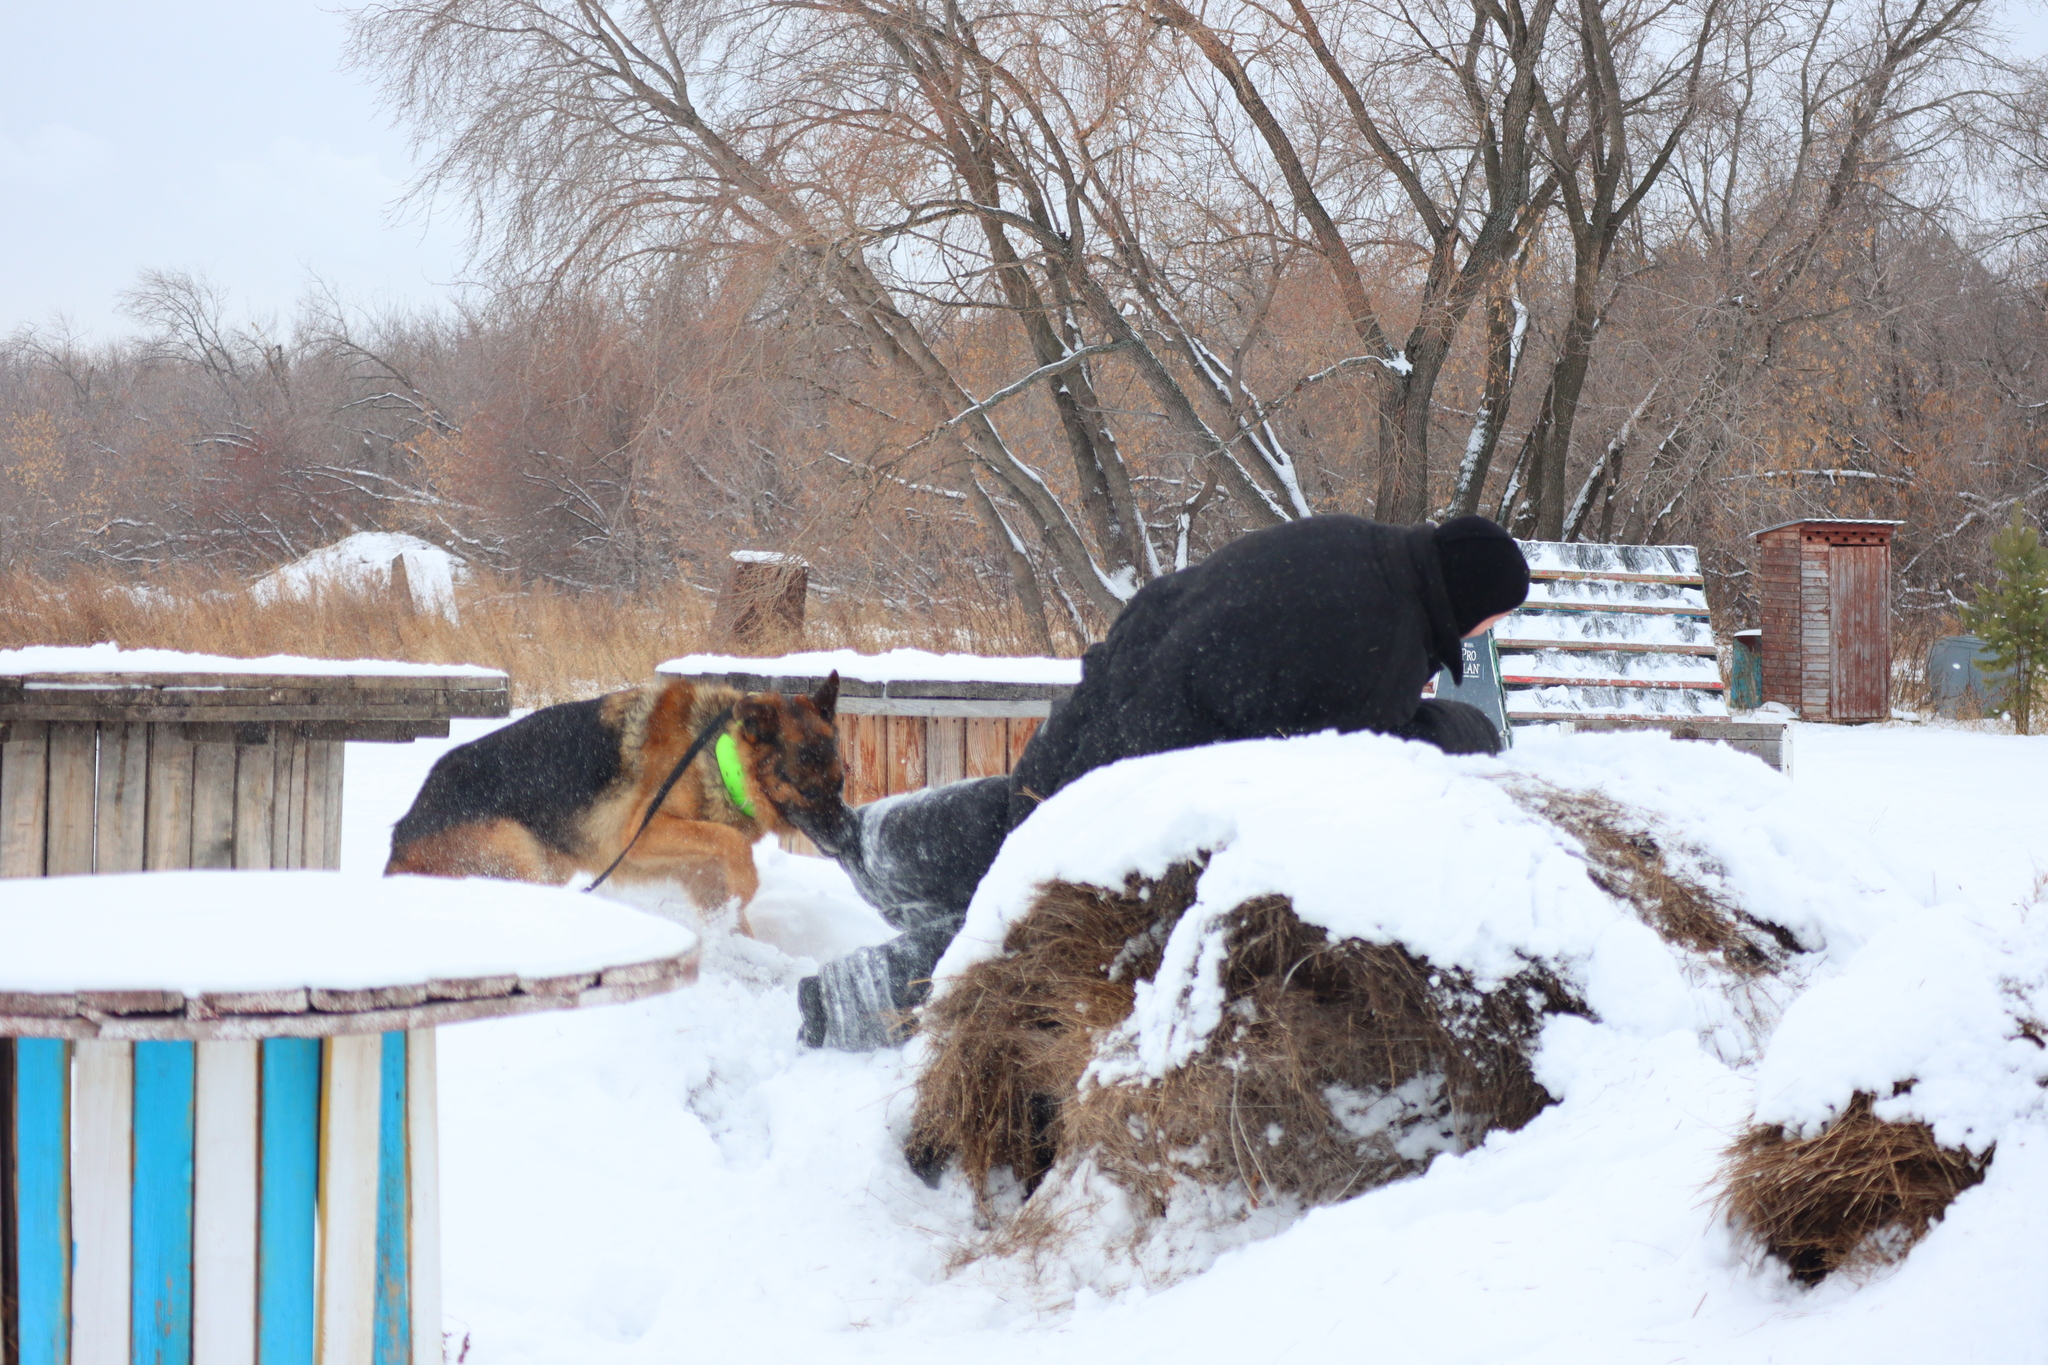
(713, 863)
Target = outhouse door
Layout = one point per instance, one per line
(1859, 674)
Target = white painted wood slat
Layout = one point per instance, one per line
(423, 1148)
(348, 1200)
(102, 1168)
(224, 1205)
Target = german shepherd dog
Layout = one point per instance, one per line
(565, 789)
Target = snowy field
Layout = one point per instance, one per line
(676, 1180)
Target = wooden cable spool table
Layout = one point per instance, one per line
(118, 761)
(220, 1135)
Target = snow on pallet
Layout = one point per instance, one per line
(1611, 632)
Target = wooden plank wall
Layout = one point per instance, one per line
(79, 798)
(885, 755)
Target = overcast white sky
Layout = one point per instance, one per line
(223, 138)
(218, 137)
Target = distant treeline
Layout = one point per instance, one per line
(1017, 307)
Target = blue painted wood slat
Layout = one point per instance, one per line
(290, 1175)
(161, 1282)
(42, 1228)
(393, 1340)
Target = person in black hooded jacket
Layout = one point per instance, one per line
(1328, 623)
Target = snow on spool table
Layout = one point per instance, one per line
(909, 718)
(116, 760)
(220, 1127)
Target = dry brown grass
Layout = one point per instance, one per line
(1306, 1019)
(1858, 1195)
(1625, 860)
(557, 644)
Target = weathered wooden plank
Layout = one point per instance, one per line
(224, 1204)
(375, 722)
(24, 799)
(131, 1002)
(102, 1171)
(1021, 731)
(1686, 580)
(288, 1201)
(348, 1200)
(318, 752)
(73, 798)
(337, 758)
(213, 805)
(288, 832)
(987, 747)
(213, 1004)
(160, 1283)
(173, 680)
(123, 798)
(943, 706)
(905, 772)
(41, 1205)
(374, 998)
(136, 1019)
(945, 750)
(255, 784)
(423, 1140)
(167, 838)
(867, 759)
(392, 1327)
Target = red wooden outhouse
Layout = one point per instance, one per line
(1827, 618)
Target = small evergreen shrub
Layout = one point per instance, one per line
(2011, 616)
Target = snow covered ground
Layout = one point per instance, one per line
(676, 1180)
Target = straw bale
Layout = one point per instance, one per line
(1857, 1195)
(1340, 1065)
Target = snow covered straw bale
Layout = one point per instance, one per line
(1887, 1088)
(362, 563)
(1297, 969)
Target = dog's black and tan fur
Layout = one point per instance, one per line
(563, 790)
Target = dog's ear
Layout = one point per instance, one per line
(761, 719)
(826, 698)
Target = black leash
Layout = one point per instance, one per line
(704, 737)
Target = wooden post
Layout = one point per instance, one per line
(401, 587)
(761, 610)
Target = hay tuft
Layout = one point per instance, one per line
(1339, 1065)
(1858, 1195)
